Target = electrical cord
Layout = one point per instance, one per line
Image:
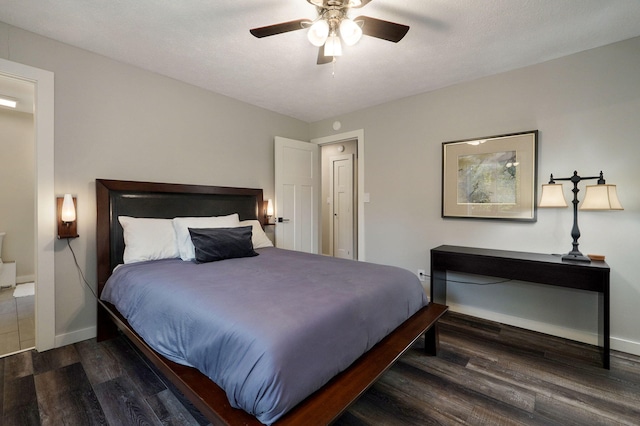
(470, 282)
(75, 260)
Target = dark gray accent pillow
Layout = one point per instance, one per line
(212, 244)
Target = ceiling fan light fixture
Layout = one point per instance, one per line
(333, 47)
(332, 27)
(318, 33)
(350, 32)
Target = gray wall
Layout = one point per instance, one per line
(116, 121)
(587, 108)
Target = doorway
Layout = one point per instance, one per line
(44, 219)
(339, 212)
(17, 217)
(360, 197)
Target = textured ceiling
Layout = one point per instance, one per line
(207, 43)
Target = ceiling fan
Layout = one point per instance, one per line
(333, 26)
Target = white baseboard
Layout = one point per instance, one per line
(75, 336)
(20, 279)
(628, 346)
(617, 344)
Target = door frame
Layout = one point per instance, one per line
(45, 197)
(363, 197)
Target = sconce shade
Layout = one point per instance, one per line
(552, 196)
(269, 207)
(68, 213)
(67, 224)
(601, 197)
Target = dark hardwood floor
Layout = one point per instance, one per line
(485, 374)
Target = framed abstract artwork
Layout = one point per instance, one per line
(491, 177)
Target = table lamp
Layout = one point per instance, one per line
(597, 197)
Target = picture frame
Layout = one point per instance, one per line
(492, 177)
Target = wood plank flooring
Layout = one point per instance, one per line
(485, 374)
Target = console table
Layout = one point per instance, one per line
(530, 267)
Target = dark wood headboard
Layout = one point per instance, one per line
(161, 200)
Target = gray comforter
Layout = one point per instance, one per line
(271, 329)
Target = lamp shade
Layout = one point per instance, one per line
(601, 197)
(269, 207)
(318, 33)
(333, 47)
(552, 196)
(350, 32)
(68, 213)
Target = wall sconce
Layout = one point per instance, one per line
(597, 197)
(67, 224)
(268, 212)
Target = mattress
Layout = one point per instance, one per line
(270, 329)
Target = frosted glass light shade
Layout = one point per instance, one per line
(269, 207)
(552, 196)
(350, 32)
(318, 33)
(333, 47)
(601, 197)
(68, 213)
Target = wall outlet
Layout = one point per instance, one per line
(422, 275)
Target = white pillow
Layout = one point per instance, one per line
(148, 239)
(258, 237)
(181, 226)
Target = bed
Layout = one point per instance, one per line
(166, 201)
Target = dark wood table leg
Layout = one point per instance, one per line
(603, 328)
(438, 284)
(432, 340)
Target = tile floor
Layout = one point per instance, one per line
(17, 322)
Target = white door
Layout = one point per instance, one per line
(342, 201)
(297, 184)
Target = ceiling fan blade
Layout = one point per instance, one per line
(284, 27)
(363, 3)
(382, 29)
(323, 59)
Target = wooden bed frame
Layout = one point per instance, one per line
(144, 199)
